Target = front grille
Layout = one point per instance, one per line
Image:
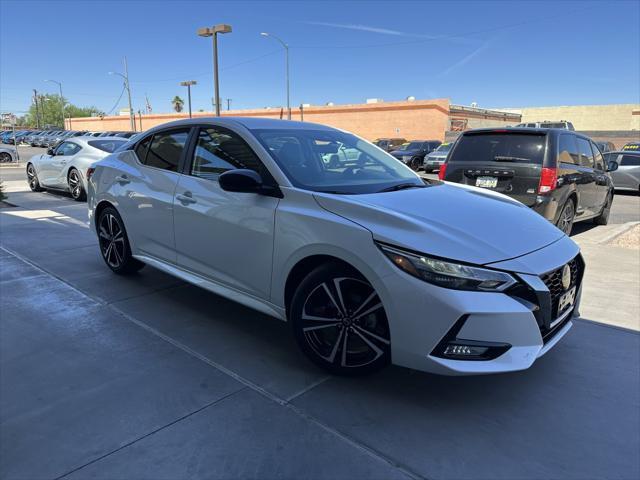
(553, 281)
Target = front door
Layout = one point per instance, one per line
(224, 236)
(586, 181)
(53, 166)
(147, 190)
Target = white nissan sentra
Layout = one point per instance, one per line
(368, 262)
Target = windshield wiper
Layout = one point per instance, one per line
(501, 158)
(400, 186)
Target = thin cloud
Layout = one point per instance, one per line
(464, 60)
(384, 31)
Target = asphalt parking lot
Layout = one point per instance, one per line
(148, 377)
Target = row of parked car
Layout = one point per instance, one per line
(51, 138)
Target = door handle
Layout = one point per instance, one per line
(186, 198)
(122, 179)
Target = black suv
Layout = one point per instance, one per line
(559, 173)
(413, 154)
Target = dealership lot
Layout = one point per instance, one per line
(148, 377)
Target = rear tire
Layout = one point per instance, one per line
(567, 216)
(603, 218)
(339, 321)
(114, 243)
(5, 157)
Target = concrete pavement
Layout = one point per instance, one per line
(148, 377)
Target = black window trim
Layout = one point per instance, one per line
(181, 161)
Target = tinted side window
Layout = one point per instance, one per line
(568, 150)
(597, 156)
(630, 160)
(166, 149)
(68, 148)
(219, 150)
(143, 148)
(586, 155)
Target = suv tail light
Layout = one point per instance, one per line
(442, 171)
(548, 180)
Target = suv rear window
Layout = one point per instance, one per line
(500, 147)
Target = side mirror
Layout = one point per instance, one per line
(612, 166)
(241, 180)
(50, 152)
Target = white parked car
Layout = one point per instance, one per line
(368, 262)
(64, 167)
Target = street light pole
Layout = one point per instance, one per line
(188, 84)
(61, 103)
(126, 85)
(286, 53)
(213, 32)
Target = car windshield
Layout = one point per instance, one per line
(499, 147)
(414, 146)
(444, 148)
(107, 145)
(332, 161)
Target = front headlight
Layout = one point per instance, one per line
(448, 274)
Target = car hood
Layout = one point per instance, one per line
(401, 153)
(450, 221)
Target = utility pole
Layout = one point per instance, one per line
(131, 114)
(35, 99)
(228, 104)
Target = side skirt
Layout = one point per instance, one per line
(232, 294)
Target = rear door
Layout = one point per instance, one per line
(587, 178)
(503, 161)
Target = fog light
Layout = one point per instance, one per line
(465, 350)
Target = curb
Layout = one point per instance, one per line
(623, 228)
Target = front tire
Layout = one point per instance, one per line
(32, 178)
(5, 157)
(415, 163)
(567, 216)
(76, 188)
(339, 321)
(114, 243)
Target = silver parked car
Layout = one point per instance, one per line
(65, 166)
(627, 176)
(435, 159)
(7, 154)
(345, 251)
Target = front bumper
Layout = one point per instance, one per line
(422, 315)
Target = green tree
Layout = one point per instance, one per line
(50, 111)
(178, 103)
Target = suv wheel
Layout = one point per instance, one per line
(603, 218)
(567, 215)
(339, 321)
(415, 163)
(114, 243)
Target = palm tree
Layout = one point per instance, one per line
(178, 103)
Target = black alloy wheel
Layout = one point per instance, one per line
(75, 185)
(114, 243)
(5, 157)
(32, 178)
(568, 214)
(415, 163)
(339, 321)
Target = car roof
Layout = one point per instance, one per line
(250, 123)
(552, 131)
(624, 152)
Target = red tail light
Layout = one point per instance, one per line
(442, 171)
(548, 180)
(90, 171)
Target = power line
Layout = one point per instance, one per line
(117, 101)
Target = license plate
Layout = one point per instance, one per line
(566, 300)
(487, 182)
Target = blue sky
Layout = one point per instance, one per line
(497, 54)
